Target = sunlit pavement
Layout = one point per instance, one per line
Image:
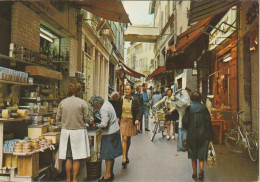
(160, 161)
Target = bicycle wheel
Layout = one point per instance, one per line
(232, 141)
(154, 130)
(252, 148)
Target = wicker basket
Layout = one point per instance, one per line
(94, 170)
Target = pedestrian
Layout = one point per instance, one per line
(74, 142)
(197, 122)
(115, 97)
(111, 140)
(139, 96)
(181, 101)
(155, 98)
(146, 106)
(129, 116)
(171, 115)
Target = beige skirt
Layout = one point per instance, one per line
(127, 128)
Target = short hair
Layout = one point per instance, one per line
(168, 90)
(195, 96)
(73, 88)
(115, 96)
(131, 86)
(144, 84)
(96, 100)
(186, 88)
(138, 87)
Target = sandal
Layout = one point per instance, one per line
(201, 175)
(194, 176)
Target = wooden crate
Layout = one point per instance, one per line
(10, 160)
(34, 131)
(43, 72)
(54, 136)
(28, 165)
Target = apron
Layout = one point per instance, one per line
(79, 144)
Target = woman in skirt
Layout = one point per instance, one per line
(171, 115)
(129, 116)
(74, 143)
(111, 139)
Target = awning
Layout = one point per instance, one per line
(206, 8)
(127, 70)
(156, 72)
(178, 56)
(109, 9)
(189, 36)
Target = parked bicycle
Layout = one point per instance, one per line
(160, 125)
(236, 139)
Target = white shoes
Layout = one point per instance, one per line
(168, 137)
(173, 137)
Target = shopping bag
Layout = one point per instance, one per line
(211, 157)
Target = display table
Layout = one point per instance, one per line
(221, 124)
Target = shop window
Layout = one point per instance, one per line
(50, 47)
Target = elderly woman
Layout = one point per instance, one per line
(111, 139)
(197, 122)
(74, 143)
(114, 99)
(129, 116)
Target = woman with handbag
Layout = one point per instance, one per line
(111, 139)
(129, 117)
(197, 122)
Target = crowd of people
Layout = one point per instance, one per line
(121, 118)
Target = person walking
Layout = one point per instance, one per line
(139, 96)
(146, 106)
(155, 98)
(171, 115)
(115, 97)
(181, 101)
(111, 140)
(129, 116)
(74, 142)
(197, 122)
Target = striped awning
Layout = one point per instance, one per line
(202, 9)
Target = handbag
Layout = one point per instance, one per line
(211, 157)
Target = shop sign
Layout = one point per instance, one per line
(223, 29)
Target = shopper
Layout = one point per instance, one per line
(146, 106)
(155, 98)
(197, 122)
(171, 115)
(139, 96)
(129, 116)
(74, 143)
(115, 97)
(181, 101)
(111, 139)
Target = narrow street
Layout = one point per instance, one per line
(160, 161)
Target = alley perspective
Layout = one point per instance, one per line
(129, 90)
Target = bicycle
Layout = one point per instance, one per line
(236, 139)
(160, 125)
